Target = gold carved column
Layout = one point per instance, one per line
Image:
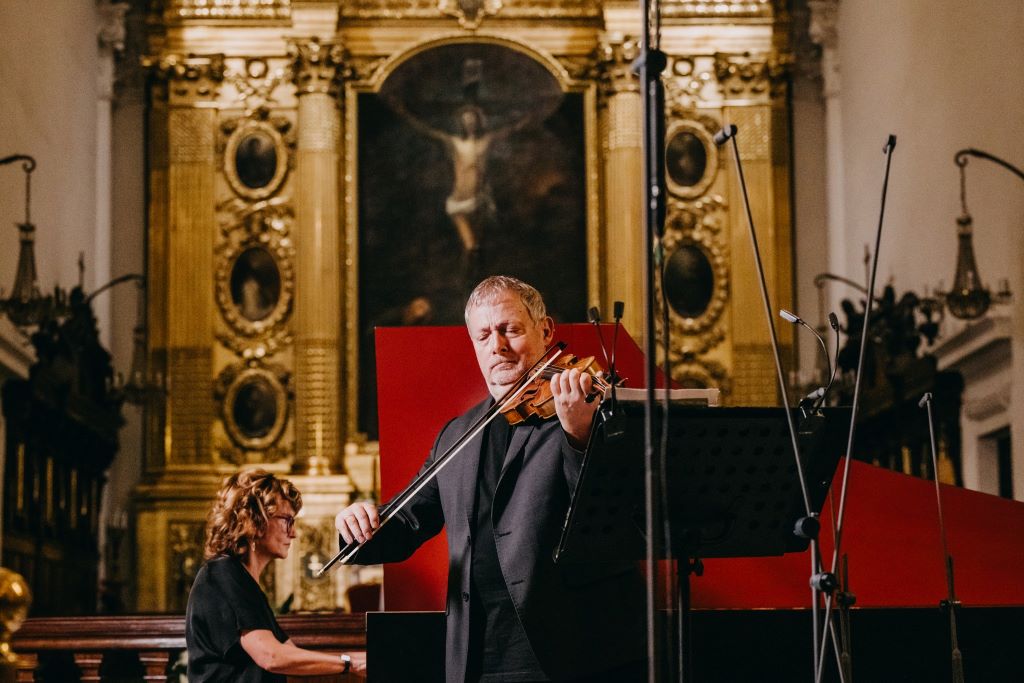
(750, 87)
(191, 126)
(318, 258)
(622, 138)
(180, 472)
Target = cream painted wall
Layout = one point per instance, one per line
(52, 109)
(48, 77)
(940, 76)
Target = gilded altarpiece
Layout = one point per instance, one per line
(257, 236)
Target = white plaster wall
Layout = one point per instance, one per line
(53, 106)
(48, 67)
(941, 76)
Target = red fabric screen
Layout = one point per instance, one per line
(427, 375)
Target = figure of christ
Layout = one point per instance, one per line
(470, 198)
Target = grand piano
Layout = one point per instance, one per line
(751, 619)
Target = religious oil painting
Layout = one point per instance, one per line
(255, 284)
(256, 160)
(471, 163)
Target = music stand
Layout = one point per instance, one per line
(405, 646)
(732, 486)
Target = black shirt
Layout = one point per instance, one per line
(225, 600)
(499, 648)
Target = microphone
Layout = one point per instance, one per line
(925, 399)
(820, 393)
(722, 136)
(617, 311)
(594, 318)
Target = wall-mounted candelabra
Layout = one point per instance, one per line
(28, 308)
(969, 298)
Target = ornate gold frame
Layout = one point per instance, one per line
(698, 129)
(244, 127)
(368, 76)
(266, 225)
(692, 225)
(231, 380)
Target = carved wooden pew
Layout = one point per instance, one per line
(95, 642)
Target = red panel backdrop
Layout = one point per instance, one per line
(427, 375)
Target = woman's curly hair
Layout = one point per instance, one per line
(245, 503)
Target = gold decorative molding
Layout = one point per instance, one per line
(15, 598)
(615, 56)
(254, 401)
(227, 10)
(700, 373)
(188, 404)
(365, 68)
(317, 66)
(256, 317)
(183, 561)
(190, 79)
(474, 12)
(754, 378)
(469, 13)
(191, 136)
(686, 228)
(755, 138)
(319, 431)
(718, 9)
(256, 83)
(750, 77)
(315, 547)
(685, 127)
(685, 84)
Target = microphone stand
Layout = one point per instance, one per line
(648, 66)
(808, 526)
(869, 300)
(950, 603)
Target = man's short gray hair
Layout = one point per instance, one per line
(493, 287)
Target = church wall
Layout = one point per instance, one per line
(941, 77)
(48, 77)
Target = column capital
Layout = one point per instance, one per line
(189, 78)
(615, 55)
(749, 77)
(318, 66)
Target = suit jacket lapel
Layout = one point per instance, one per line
(469, 467)
(520, 436)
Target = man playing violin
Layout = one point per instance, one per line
(513, 614)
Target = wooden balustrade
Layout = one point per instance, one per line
(146, 648)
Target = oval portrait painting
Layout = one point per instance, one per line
(255, 284)
(256, 160)
(254, 410)
(689, 281)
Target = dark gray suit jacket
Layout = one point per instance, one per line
(579, 620)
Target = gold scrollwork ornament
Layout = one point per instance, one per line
(257, 153)
(255, 280)
(691, 158)
(701, 374)
(715, 253)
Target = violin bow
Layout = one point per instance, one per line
(387, 512)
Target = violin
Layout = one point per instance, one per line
(536, 400)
